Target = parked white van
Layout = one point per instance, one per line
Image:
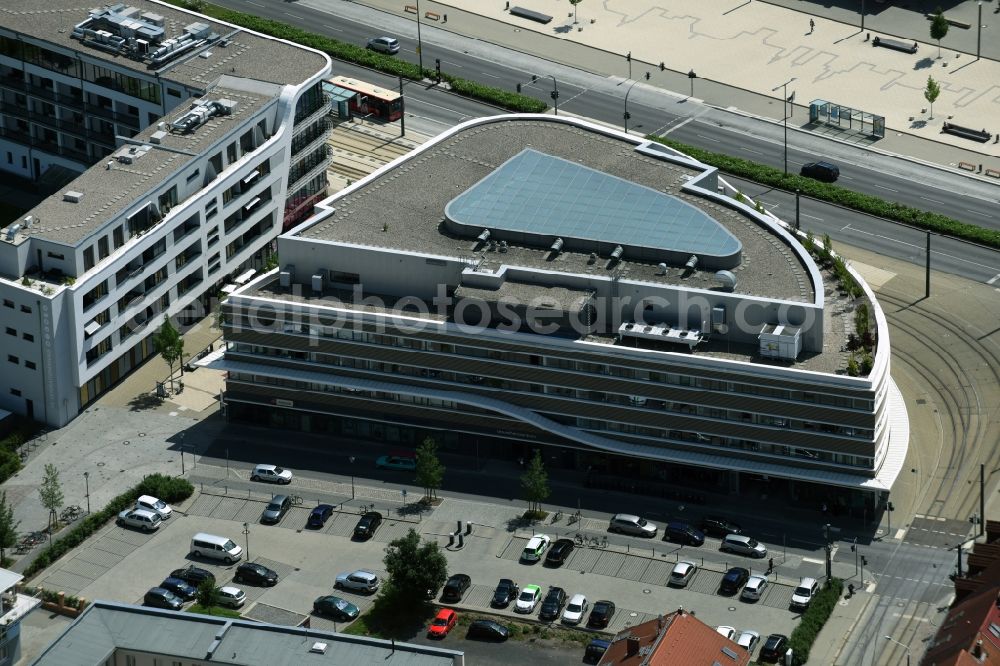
(215, 547)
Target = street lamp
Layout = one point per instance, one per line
(554, 94)
(351, 459)
(905, 647)
(979, 28)
(784, 112)
(626, 116)
(692, 76)
(246, 532)
(862, 15)
(420, 50)
(86, 481)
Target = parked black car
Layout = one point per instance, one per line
(367, 525)
(683, 533)
(159, 597)
(601, 614)
(558, 552)
(456, 587)
(488, 630)
(319, 516)
(505, 593)
(719, 526)
(552, 604)
(774, 647)
(255, 574)
(193, 575)
(734, 580)
(595, 650)
(185, 591)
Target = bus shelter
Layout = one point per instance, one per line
(844, 117)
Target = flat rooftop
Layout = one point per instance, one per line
(411, 198)
(108, 193)
(246, 55)
(106, 627)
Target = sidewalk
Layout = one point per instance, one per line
(770, 43)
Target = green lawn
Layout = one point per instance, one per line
(214, 610)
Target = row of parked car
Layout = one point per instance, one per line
(526, 601)
(774, 646)
(733, 539)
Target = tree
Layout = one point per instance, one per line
(208, 595)
(429, 470)
(574, 3)
(416, 569)
(535, 483)
(169, 345)
(939, 28)
(51, 493)
(8, 527)
(932, 92)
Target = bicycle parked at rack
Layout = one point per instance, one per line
(296, 500)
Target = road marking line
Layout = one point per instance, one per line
(812, 217)
(755, 152)
(934, 200)
(679, 125)
(297, 18)
(900, 533)
(993, 279)
(257, 4)
(812, 560)
(327, 26)
(492, 76)
(707, 138)
(976, 212)
(883, 187)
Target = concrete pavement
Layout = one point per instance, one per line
(740, 51)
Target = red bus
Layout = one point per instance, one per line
(370, 100)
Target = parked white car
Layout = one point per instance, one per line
(155, 505)
(755, 588)
(728, 632)
(575, 609)
(231, 596)
(683, 573)
(748, 640)
(535, 548)
(803, 594)
(528, 599)
(271, 474)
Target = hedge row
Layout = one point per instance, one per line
(822, 605)
(359, 55)
(864, 203)
(167, 488)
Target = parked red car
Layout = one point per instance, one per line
(443, 622)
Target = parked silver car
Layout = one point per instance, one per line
(626, 523)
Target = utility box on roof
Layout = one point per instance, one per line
(780, 341)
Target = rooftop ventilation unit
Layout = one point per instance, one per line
(128, 31)
(12, 232)
(28, 221)
(727, 278)
(617, 253)
(285, 276)
(662, 268)
(557, 246)
(318, 648)
(692, 262)
(72, 196)
(483, 237)
(200, 114)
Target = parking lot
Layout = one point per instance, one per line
(121, 564)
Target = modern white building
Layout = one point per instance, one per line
(526, 283)
(195, 143)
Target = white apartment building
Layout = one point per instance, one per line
(197, 142)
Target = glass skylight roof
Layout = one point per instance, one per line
(541, 195)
